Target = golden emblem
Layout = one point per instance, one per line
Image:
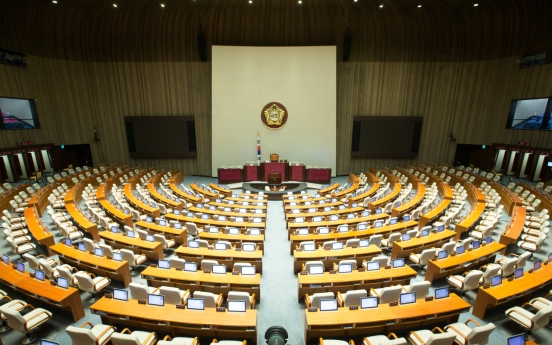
(274, 115)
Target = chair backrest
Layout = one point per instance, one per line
(392, 238)
(14, 318)
(449, 247)
(390, 294)
(313, 263)
(352, 297)
(172, 295)
(352, 242)
(240, 296)
(540, 319)
(420, 288)
(446, 338)
(471, 280)
(85, 282)
(64, 272)
(177, 263)
(210, 299)
(108, 250)
(191, 228)
(125, 339)
(208, 264)
(327, 244)
(508, 267)
(375, 240)
(48, 270)
(491, 271)
(480, 335)
(138, 291)
(315, 298)
(128, 255)
(522, 259)
(353, 263)
(382, 259)
(33, 262)
(82, 336)
(89, 245)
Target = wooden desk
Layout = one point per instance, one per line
(434, 213)
(152, 250)
(292, 227)
(224, 191)
(353, 281)
(178, 235)
(508, 291)
(163, 199)
(328, 189)
(234, 239)
(417, 245)
(174, 182)
(235, 205)
(384, 319)
(507, 198)
(35, 290)
(288, 207)
(211, 222)
(513, 230)
(407, 207)
(154, 212)
(36, 228)
(224, 257)
(290, 216)
(5, 198)
(200, 281)
(200, 190)
(546, 200)
(82, 222)
(168, 319)
(462, 263)
(329, 257)
(117, 215)
(353, 182)
(298, 199)
(226, 213)
(105, 267)
(39, 200)
(386, 199)
(470, 220)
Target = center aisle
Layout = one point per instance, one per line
(279, 305)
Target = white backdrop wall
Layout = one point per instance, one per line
(245, 79)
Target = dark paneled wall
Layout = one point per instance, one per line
(455, 65)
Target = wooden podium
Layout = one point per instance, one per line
(274, 178)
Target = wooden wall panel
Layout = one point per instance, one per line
(449, 62)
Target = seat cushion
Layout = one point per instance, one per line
(25, 248)
(541, 302)
(99, 329)
(457, 281)
(36, 317)
(424, 334)
(459, 329)
(521, 316)
(139, 259)
(142, 336)
(100, 283)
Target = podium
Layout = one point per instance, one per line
(274, 168)
(274, 178)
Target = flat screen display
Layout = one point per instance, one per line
(98, 252)
(39, 275)
(316, 269)
(63, 282)
(393, 221)
(363, 243)
(405, 237)
(149, 238)
(496, 280)
(443, 254)
(219, 269)
(378, 224)
(68, 242)
(121, 295)
(149, 219)
(131, 234)
(373, 266)
(345, 268)
(6, 259)
(368, 302)
(158, 300)
(299, 220)
(162, 222)
(476, 244)
(328, 305)
(47, 342)
(362, 226)
(440, 228)
(407, 298)
(233, 231)
(309, 247)
(18, 113)
(164, 264)
(177, 226)
(425, 233)
(248, 270)
(337, 245)
(334, 217)
(190, 267)
(518, 273)
(489, 240)
(236, 306)
(220, 246)
(82, 247)
(406, 218)
(536, 265)
(323, 231)
(114, 229)
(397, 263)
(460, 250)
(317, 219)
(531, 114)
(441, 293)
(196, 304)
(257, 232)
(517, 339)
(117, 256)
(248, 247)
(213, 230)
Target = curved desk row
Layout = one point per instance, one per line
(152, 250)
(329, 257)
(37, 229)
(223, 257)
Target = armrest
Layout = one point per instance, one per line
(340, 299)
(252, 301)
(392, 335)
(515, 311)
(529, 304)
(167, 338)
(351, 342)
(28, 306)
(35, 316)
(87, 323)
(6, 297)
(101, 280)
(472, 320)
(321, 341)
(147, 340)
(417, 337)
(215, 340)
(437, 328)
(220, 299)
(156, 290)
(91, 274)
(303, 267)
(307, 301)
(366, 341)
(124, 330)
(375, 292)
(104, 332)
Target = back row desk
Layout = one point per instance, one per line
(234, 239)
(319, 239)
(230, 203)
(292, 227)
(176, 180)
(152, 250)
(328, 189)
(508, 291)
(37, 229)
(82, 222)
(434, 213)
(205, 193)
(91, 263)
(384, 319)
(178, 235)
(224, 191)
(211, 222)
(201, 281)
(367, 194)
(513, 230)
(118, 215)
(290, 216)
(438, 269)
(342, 282)
(403, 249)
(329, 257)
(354, 182)
(412, 203)
(227, 213)
(35, 290)
(178, 322)
(223, 257)
(309, 204)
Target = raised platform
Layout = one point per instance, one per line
(275, 193)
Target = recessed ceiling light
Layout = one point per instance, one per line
(355, 0)
(419, 6)
(381, 6)
(162, 5)
(250, 1)
(54, 1)
(114, 5)
(300, 2)
(475, 5)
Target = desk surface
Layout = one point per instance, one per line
(212, 222)
(36, 228)
(227, 213)
(334, 223)
(82, 221)
(380, 274)
(201, 276)
(87, 258)
(349, 252)
(473, 255)
(290, 215)
(119, 215)
(222, 254)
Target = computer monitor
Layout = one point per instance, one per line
(324, 231)
(199, 205)
(441, 293)
(405, 237)
(350, 216)
(379, 210)
(334, 217)
(149, 238)
(258, 211)
(309, 247)
(219, 269)
(162, 222)
(6, 259)
(205, 216)
(363, 243)
(222, 218)
(47, 342)
(164, 264)
(316, 269)
(239, 220)
(341, 207)
(227, 209)
(99, 252)
(517, 339)
(236, 306)
(536, 265)
(460, 250)
(328, 305)
(213, 230)
(373, 266)
(518, 273)
(327, 209)
(317, 219)
(117, 256)
(257, 232)
(176, 212)
(190, 267)
(158, 300)
(196, 304)
(442, 254)
(393, 221)
(177, 226)
(154, 205)
(362, 226)
(365, 213)
(121, 295)
(407, 298)
(63, 282)
(248, 247)
(337, 245)
(440, 228)
(368, 302)
(257, 220)
(39, 275)
(82, 247)
(345, 268)
(126, 211)
(299, 220)
(212, 208)
(131, 234)
(233, 231)
(476, 244)
(68, 242)
(398, 263)
(354, 204)
(114, 229)
(293, 204)
(424, 233)
(496, 280)
(489, 240)
(406, 218)
(550, 257)
(190, 214)
(248, 270)
(149, 219)
(220, 246)
(378, 224)
(374, 199)
(334, 199)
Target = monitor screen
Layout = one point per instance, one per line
(362, 226)
(177, 226)
(162, 222)
(196, 304)
(393, 221)
(363, 243)
(550, 257)
(165, 264)
(117, 256)
(293, 204)
(248, 270)
(63, 282)
(158, 300)
(328, 305)
(154, 205)
(227, 209)
(190, 214)
(299, 220)
(379, 210)
(441, 293)
(334, 217)
(199, 205)
(365, 213)
(149, 219)
(341, 207)
(204, 216)
(219, 269)
(496, 280)
(407, 298)
(327, 209)
(517, 339)
(82, 247)
(121, 295)
(47, 342)
(114, 229)
(193, 244)
(425, 233)
(126, 211)
(239, 220)
(248, 247)
(337, 245)
(222, 218)
(354, 204)
(99, 252)
(350, 216)
(397, 263)
(213, 230)
(257, 220)
(190, 267)
(220, 246)
(316, 269)
(6, 259)
(536, 265)
(236, 306)
(378, 224)
(373, 266)
(131, 234)
(317, 219)
(406, 218)
(309, 247)
(334, 199)
(176, 212)
(212, 208)
(257, 232)
(443, 254)
(345, 268)
(68, 242)
(149, 238)
(476, 244)
(374, 199)
(39, 275)
(368, 302)
(405, 237)
(460, 250)
(489, 240)
(440, 228)
(518, 273)
(324, 231)
(233, 231)
(258, 211)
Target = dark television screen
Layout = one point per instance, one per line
(18, 113)
(161, 136)
(532, 114)
(386, 136)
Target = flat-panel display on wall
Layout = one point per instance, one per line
(386, 136)
(18, 113)
(161, 136)
(530, 114)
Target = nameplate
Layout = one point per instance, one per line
(429, 298)
(32, 275)
(453, 254)
(108, 295)
(545, 263)
(353, 307)
(486, 286)
(510, 279)
(392, 304)
(327, 248)
(312, 310)
(298, 250)
(14, 267)
(470, 249)
(180, 306)
(141, 301)
(153, 265)
(484, 244)
(361, 269)
(333, 271)
(387, 267)
(210, 248)
(225, 232)
(179, 268)
(434, 259)
(530, 271)
(206, 271)
(235, 273)
(237, 249)
(303, 273)
(221, 309)
(354, 247)
(53, 283)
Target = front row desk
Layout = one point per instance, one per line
(288, 172)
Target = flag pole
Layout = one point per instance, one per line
(258, 148)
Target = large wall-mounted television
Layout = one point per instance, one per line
(161, 136)
(386, 136)
(531, 114)
(18, 113)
